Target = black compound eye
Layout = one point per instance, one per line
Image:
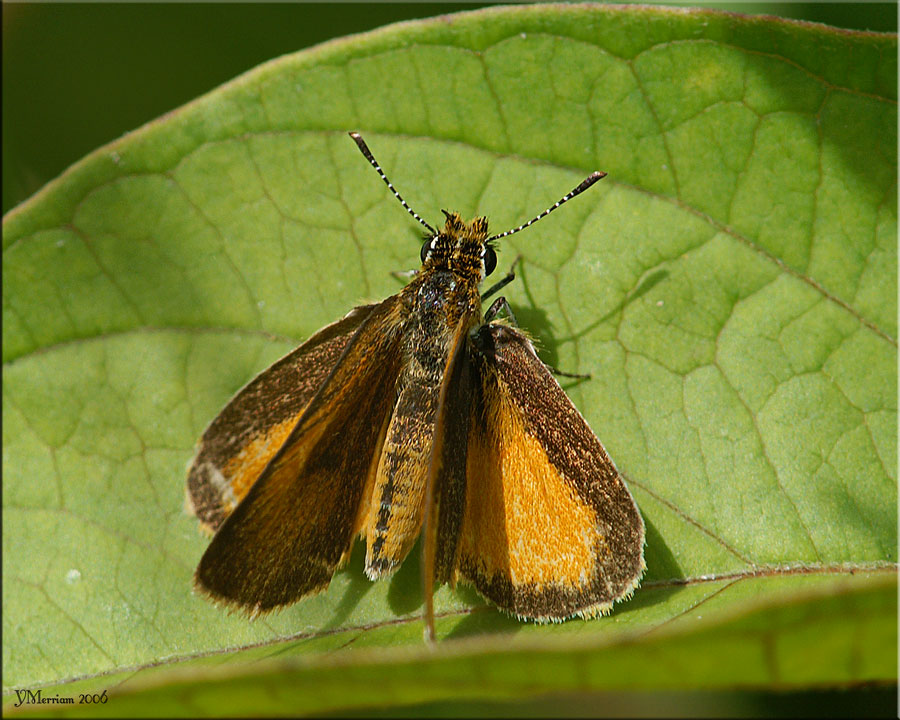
(490, 259)
(426, 246)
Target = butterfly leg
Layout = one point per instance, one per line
(404, 275)
(561, 373)
(510, 276)
(501, 305)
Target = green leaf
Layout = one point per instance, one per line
(731, 287)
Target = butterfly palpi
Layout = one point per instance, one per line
(415, 415)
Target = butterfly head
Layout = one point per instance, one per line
(463, 248)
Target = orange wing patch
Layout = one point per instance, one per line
(523, 520)
(245, 468)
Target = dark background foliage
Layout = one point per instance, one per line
(76, 76)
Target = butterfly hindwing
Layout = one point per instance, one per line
(310, 500)
(239, 443)
(549, 529)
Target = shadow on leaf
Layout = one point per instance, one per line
(357, 587)
(645, 286)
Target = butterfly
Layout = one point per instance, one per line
(418, 415)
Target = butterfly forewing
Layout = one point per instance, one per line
(549, 529)
(310, 500)
(239, 443)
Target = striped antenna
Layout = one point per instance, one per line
(585, 184)
(364, 149)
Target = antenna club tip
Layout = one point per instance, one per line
(353, 134)
(596, 175)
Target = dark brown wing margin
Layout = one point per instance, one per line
(298, 521)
